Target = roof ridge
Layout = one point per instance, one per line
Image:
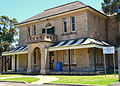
(64, 5)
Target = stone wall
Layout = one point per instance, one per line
(96, 27)
(43, 62)
(87, 24)
(113, 30)
(82, 60)
(22, 62)
(22, 36)
(81, 27)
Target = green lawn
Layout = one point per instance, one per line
(26, 79)
(88, 80)
(9, 75)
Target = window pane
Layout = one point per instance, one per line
(73, 19)
(34, 29)
(65, 57)
(73, 23)
(43, 30)
(73, 27)
(65, 25)
(74, 56)
(28, 30)
(51, 30)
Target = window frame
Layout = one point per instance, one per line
(65, 25)
(65, 56)
(28, 31)
(74, 57)
(73, 26)
(33, 29)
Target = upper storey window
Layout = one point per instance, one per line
(48, 25)
(49, 29)
(73, 23)
(28, 28)
(65, 25)
(33, 30)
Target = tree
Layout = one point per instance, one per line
(7, 33)
(111, 7)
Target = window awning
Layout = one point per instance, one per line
(78, 43)
(17, 50)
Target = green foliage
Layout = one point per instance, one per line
(112, 7)
(7, 32)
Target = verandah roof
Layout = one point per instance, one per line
(65, 44)
(17, 50)
(78, 43)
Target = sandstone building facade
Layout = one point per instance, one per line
(71, 36)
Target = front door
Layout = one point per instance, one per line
(9, 62)
(51, 61)
(37, 60)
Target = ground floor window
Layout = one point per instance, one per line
(99, 59)
(65, 54)
(73, 54)
(9, 61)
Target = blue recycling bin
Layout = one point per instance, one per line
(59, 66)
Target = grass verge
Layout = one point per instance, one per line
(87, 80)
(26, 79)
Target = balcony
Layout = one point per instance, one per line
(42, 37)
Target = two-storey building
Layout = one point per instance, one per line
(64, 39)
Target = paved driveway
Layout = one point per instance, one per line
(116, 84)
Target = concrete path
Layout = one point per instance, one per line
(43, 79)
(116, 84)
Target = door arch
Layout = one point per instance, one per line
(37, 59)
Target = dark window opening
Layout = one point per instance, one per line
(28, 30)
(73, 23)
(49, 30)
(34, 29)
(65, 25)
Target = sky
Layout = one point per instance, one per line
(23, 9)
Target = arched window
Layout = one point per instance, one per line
(48, 25)
(49, 29)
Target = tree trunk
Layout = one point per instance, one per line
(1, 48)
(119, 28)
(119, 56)
(0, 62)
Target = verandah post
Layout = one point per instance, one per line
(94, 59)
(69, 61)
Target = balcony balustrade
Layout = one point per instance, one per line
(42, 37)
